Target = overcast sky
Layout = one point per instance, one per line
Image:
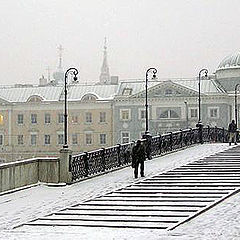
(178, 37)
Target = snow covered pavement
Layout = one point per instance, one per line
(22, 206)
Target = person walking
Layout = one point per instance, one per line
(138, 158)
(232, 130)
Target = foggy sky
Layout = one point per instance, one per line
(178, 37)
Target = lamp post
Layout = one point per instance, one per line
(205, 72)
(154, 71)
(72, 71)
(186, 104)
(236, 108)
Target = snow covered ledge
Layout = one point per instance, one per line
(22, 173)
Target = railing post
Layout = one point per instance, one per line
(160, 144)
(200, 132)
(216, 137)
(171, 141)
(65, 163)
(103, 159)
(181, 138)
(86, 167)
(223, 135)
(118, 154)
(208, 133)
(191, 136)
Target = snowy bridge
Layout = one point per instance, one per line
(163, 201)
(178, 187)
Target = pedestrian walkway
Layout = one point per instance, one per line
(163, 201)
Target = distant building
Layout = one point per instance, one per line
(173, 103)
(31, 120)
(111, 111)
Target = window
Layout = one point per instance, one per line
(127, 91)
(47, 139)
(74, 119)
(20, 119)
(88, 138)
(103, 138)
(33, 139)
(89, 98)
(169, 114)
(125, 114)
(125, 137)
(213, 112)
(20, 139)
(60, 139)
(47, 118)
(74, 139)
(1, 119)
(88, 117)
(34, 99)
(33, 118)
(142, 114)
(60, 118)
(102, 117)
(168, 92)
(193, 113)
(1, 139)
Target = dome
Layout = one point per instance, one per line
(231, 61)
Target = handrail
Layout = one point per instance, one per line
(92, 163)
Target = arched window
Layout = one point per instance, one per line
(34, 98)
(89, 98)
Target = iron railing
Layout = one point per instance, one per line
(103, 160)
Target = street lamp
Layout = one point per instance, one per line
(205, 72)
(186, 104)
(236, 108)
(154, 71)
(72, 71)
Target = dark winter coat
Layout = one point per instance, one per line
(138, 154)
(232, 127)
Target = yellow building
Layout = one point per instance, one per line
(32, 119)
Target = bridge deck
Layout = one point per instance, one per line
(163, 201)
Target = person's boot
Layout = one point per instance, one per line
(229, 144)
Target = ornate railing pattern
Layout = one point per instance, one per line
(106, 159)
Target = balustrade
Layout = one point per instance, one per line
(106, 159)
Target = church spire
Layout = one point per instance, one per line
(60, 50)
(58, 76)
(105, 76)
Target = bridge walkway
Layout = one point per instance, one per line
(162, 201)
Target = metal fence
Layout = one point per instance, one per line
(106, 159)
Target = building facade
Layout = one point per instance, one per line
(32, 120)
(173, 103)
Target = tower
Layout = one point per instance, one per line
(59, 74)
(105, 76)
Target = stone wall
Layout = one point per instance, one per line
(26, 172)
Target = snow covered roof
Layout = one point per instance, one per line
(22, 94)
(56, 93)
(76, 92)
(208, 86)
(102, 92)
